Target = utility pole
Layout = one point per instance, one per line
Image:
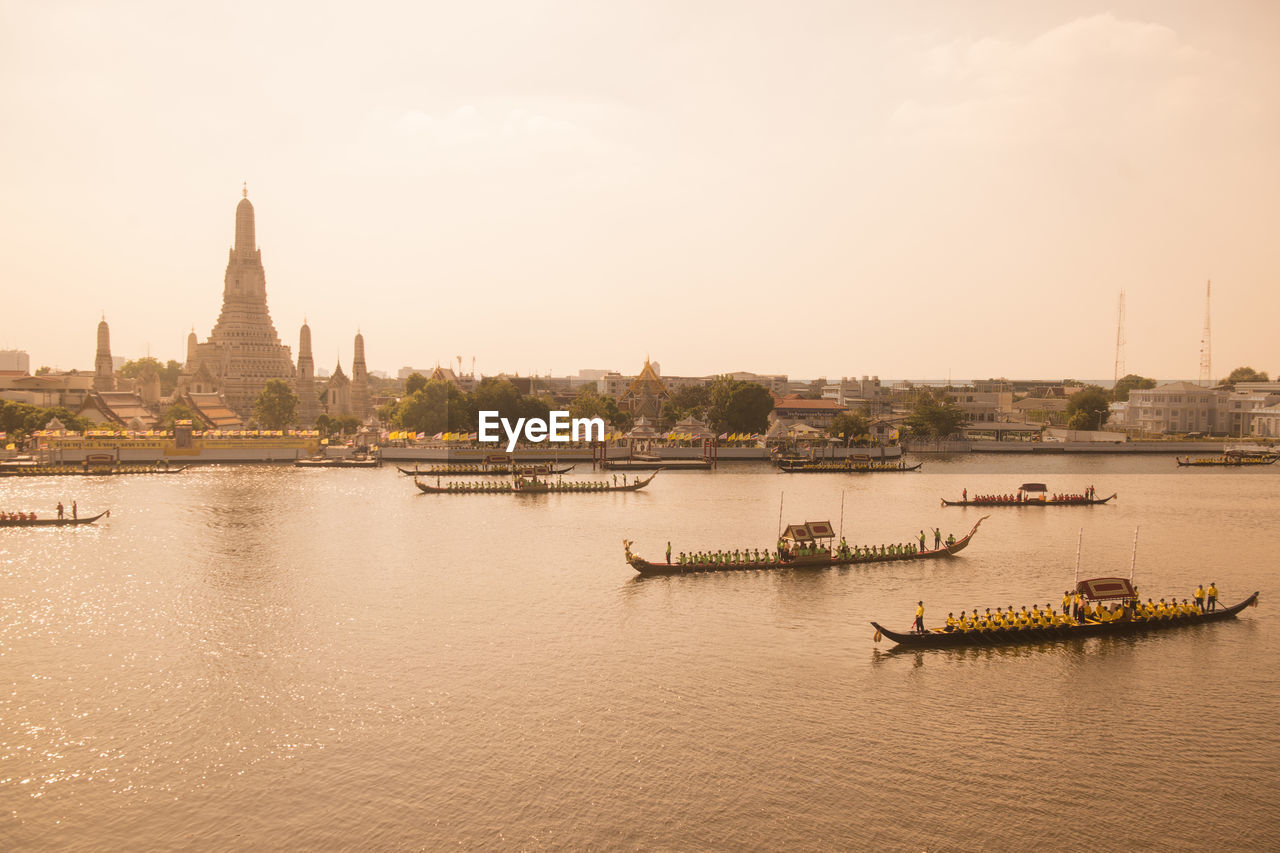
(1119, 342)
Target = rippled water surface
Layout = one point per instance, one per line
(268, 657)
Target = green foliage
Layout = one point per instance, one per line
(1245, 374)
(438, 406)
(345, 424)
(689, 402)
(738, 406)
(44, 370)
(1087, 408)
(168, 372)
(847, 426)
(277, 405)
(21, 417)
(180, 412)
(589, 404)
(1128, 383)
(934, 416)
(415, 382)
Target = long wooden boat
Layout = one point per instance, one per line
(939, 639)
(842, 466)
(52, 522)
(67, 470)
(640, 463)
(1034, 502)
(833, 557)
(532, 486)
(1226, 461)
(336, 463)
(1031, 494)
(532, 468)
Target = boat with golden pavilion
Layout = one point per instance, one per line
(1126, 615)
(810, 545)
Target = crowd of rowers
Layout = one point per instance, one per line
(788, 551)
(1076, 610)
(1022, 497)
(521, 483)
(848, 465)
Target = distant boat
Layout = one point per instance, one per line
(87, 469)
(336, 463)
(51, 522)
(532, 486)
(843, 466)
(1032, 495)
(1230, 459)
(487, 470)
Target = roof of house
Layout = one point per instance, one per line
(214, 411)
(800, 404)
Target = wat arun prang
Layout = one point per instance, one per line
(244, 352)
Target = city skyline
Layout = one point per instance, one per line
(851, 190)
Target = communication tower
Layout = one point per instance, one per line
(1206, 356)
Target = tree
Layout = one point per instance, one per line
(168, 372)
(43, 370)
(589, 404)
(277, 405)
(934, 415)
(415, 382)
(847, 426)
(438, 406)
(1087, 408)
(738, 406)
(1245, 374)
(692, 401)
(1131, 382)
(179, 412)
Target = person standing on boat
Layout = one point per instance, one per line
(922, 540)
(1199, 597)
(937, 538)
(59, 509)
(964, 494)
(918, 627)
(668, 553)
(75, 512)
(1211, 604)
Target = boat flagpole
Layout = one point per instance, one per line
(1079, 542)
(781, 498)
(842, 493)
(1134, 563)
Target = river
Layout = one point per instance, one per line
(266, 657)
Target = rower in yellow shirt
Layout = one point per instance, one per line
(1211, 598)
(1199, 597)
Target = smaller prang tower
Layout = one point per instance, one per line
(359, 382)
(104, 374)
(308, 397)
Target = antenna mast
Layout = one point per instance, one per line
(1206, 358)
(1120, 341)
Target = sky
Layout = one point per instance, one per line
(911, 190)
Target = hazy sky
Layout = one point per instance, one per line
(902, 189)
